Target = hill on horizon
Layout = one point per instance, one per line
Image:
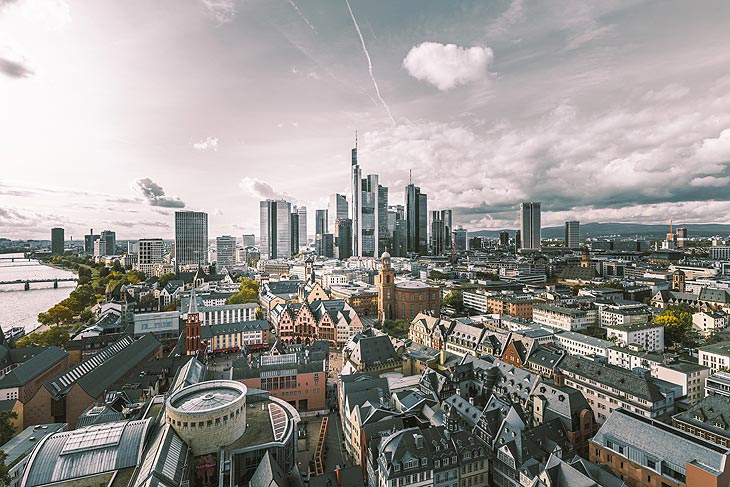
(593, 230)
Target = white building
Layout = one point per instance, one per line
(477, 300)
(705, 322)
(228, 313)
(715, 356)
(649, 336)
(569, 319)
(622, 315)
(579, 344)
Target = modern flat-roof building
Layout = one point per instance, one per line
(647, 335)
(530, 225)
(715, 356)
(57, 240)
(572, 234)
(191, 237)
(276, 231)
(563, 317)
(645, 452)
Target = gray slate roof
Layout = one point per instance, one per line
(37, 365)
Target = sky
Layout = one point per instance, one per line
(115, 114)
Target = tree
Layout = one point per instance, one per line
(677, 321)
(165, 279)
(7, 430)
(135, 277)
(4, 469)
(398, 329)
(487, 276)
(455, 299)
(56, 315)
(437, 275)
(248, 292)
(53, 337)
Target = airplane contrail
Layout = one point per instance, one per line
(370, 63)
(305, 19)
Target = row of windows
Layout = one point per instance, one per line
(209, 422)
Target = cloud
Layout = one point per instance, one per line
(447, 65)
(14, 69)
(715, 150)
(262, 190)
(671, 92)
(209, 143)
(222, 11)
(155, 195)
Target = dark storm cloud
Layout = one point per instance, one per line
(155, 195)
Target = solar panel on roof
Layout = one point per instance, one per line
(279, 420)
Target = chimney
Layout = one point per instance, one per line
(419, 441)
(471, 400)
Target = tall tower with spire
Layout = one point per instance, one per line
(356, 183)
(192, 326)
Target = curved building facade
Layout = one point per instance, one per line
(209, 414)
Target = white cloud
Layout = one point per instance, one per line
(711, 181)
(448, 65)
(222, 11)
(715, 150)
(209, 143)
(262, 190)
(670, 92)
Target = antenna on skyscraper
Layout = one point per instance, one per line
(356, 139)
(410, 178)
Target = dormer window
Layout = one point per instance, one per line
(436, 463)
(396, 467)
(424, 461)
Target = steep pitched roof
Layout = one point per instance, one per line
(29, 370)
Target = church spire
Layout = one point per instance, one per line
(193, 305)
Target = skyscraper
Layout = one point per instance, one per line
(572, 234)
(448, 218)
(149, 253)
(321, 222)
(226, 251)
(89, 242)
(324, 245)
(343, 238)
(417, 218)
(294, 232)
(110, 242)
(303, 239)
(437, 233)
(275, 220)
(337, 208)
(191, 237)
(503, 239)
(249, 240)
(57, 240)
(460, 239)
(356, 193)
(530, 227)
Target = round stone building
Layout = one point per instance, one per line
(209, 414)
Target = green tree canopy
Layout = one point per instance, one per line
(7, 430)
(248, 292)
(455, 299)
(677, 321)
(59, 314)
(53, 337)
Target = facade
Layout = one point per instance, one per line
(715, 356)
(89, 242)
(707, 419)
(191, 237)
(720, 252)
(227, 313)
(225, 252)
(417, 218)
(57, 240)
(649, 336)
(227, 337)
(607, 388)
(343, 238)
(373, 218)
(276, 233)
(459, 238)
(403, 300)
(564, 318)
(337, 209)
(579, 344)
(441, 228)
(324, 245)
(530, 225)
(249, 240)
(294, 235)
(707, 322)
(647, 453)
(572, 234)
(613, 315)
(321, 222)
(302, 222)
(149, 253)
(110, 242)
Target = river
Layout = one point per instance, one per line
(19, 307)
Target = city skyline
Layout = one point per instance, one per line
(586, 109)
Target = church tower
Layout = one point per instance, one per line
(192, 326)
(385, 282)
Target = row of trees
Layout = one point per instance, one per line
(53, 337)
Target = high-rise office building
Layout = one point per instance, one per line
(89, 242)
(249, 240)
(226, 251)
(518, 240)
(336, 209)
(398, 230)
(324, 245)
(303, 238)
(355, 195)
(57, 240)
(572, 234)
(191, 237)
(438, 233)
(275, 219)
(132, 247)
(149, 253)
(343, 238)
(530, 225)
(321, 222)
(110, 242)
(294, 232)
(417, 218)
(384, 234)
(460, 239)
(681, 236)
(503, 239)
(447, 216)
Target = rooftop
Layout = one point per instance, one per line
(206, 396)
(22, 443)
